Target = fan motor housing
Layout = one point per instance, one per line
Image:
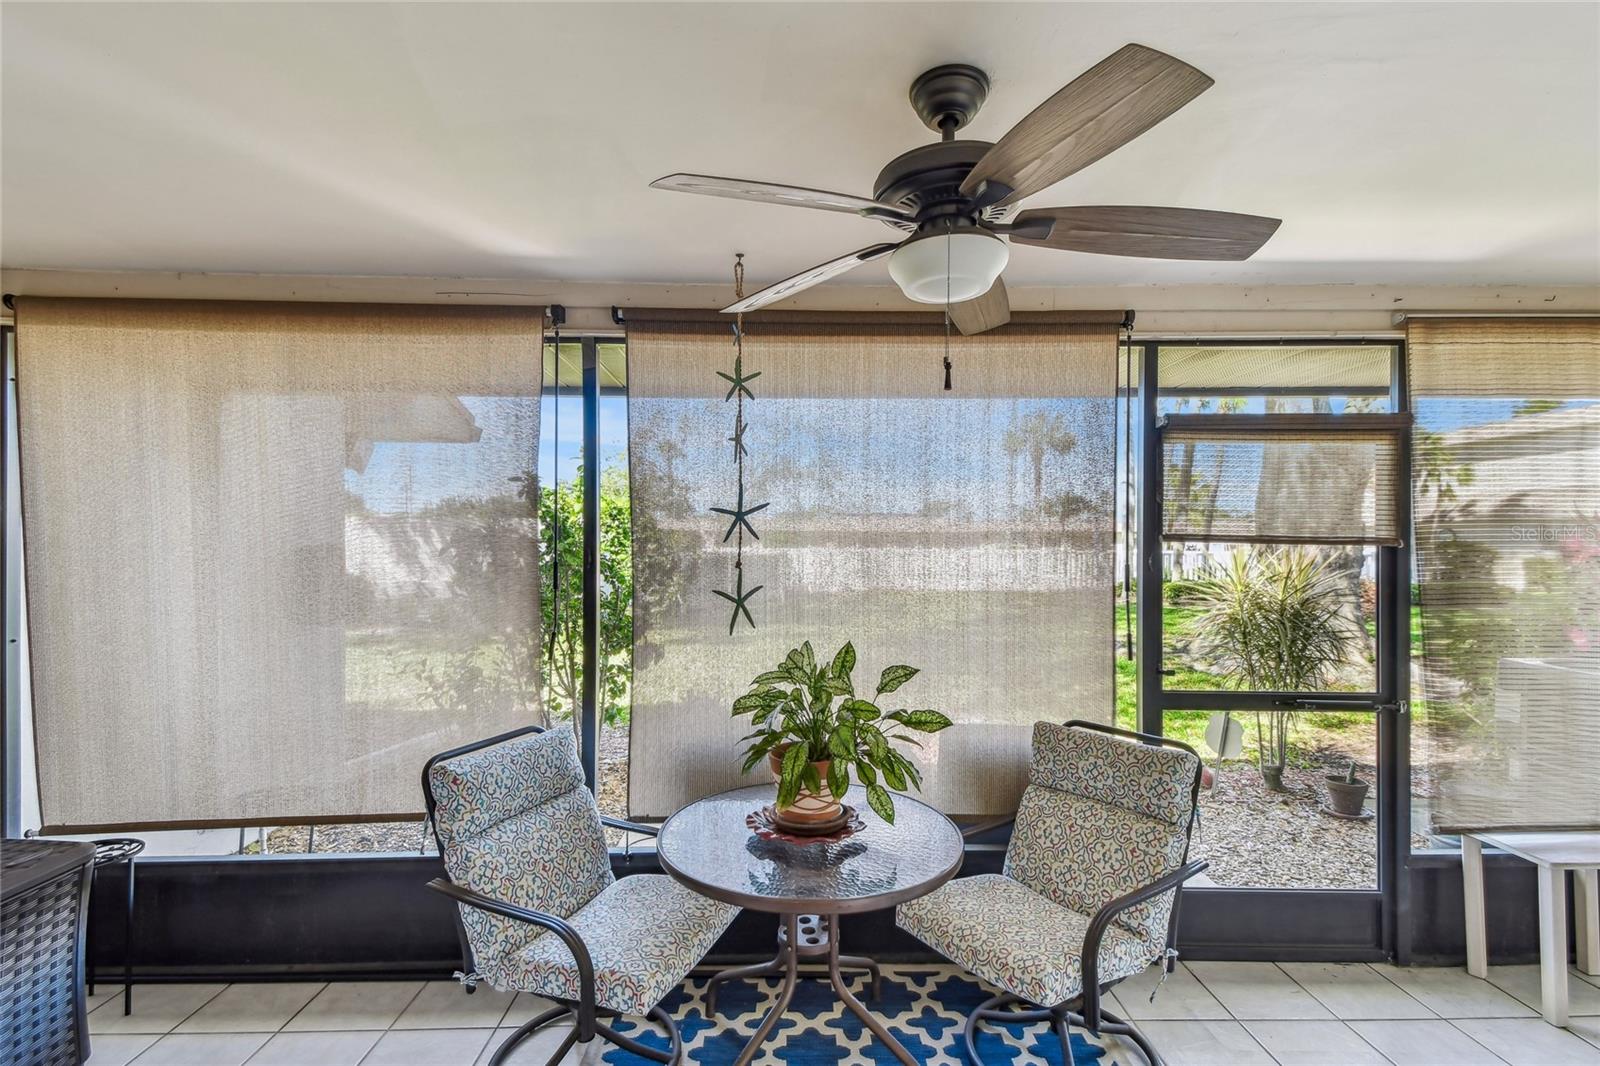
(927, 181)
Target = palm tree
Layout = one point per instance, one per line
(1273, 620)
(1037, 434)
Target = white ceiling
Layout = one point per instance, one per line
(1401, 143)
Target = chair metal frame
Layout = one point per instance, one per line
(1084, 1010)
(586, 1012)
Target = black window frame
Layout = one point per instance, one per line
(1374, 921)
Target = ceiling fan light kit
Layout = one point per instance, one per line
(950, 266)
(953, 197)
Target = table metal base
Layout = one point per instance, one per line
(808, 936)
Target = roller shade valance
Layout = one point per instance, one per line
(781, 321)
(1282, 479)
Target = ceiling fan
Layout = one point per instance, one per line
(955, 197)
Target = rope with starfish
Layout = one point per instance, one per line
(739, 514)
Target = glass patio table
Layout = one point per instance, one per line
(709, 848)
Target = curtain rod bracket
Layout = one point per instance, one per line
(1127, 319)
(10, 300)
(558, 314)
(616, 316)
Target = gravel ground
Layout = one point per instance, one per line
(1256, 838)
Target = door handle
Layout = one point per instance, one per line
(1341, 705)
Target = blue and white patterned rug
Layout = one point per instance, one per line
(923, 1006)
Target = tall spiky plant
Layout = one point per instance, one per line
(1272, 621)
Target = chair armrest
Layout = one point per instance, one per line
(569, 936)
(1102, 920)
(979, 828)
(631, 827)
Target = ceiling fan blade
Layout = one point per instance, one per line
(1150, 232)
(1100, 110)
(982, 313)
(806, 278)
(768, 193)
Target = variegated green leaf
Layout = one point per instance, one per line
(861, 710)
(881, 802)
(844, 661)
(810, 778)
(895, 676)
(838, 778)
(922, 721)
(794, 760)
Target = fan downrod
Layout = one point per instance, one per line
(948, 96)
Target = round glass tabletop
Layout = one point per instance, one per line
(708, 847)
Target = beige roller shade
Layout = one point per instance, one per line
(276, 553)
(1282, 479)
(1506, 499)
(968, 533)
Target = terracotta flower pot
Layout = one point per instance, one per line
(808, 808)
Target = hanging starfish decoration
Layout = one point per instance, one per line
(737, 440)
(738, 379)
(739, 597)
(741, 516)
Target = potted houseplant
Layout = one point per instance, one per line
(815, 733)
(1347, 794)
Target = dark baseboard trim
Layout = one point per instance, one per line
(369, 917)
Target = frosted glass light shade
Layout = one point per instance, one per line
(973, 260)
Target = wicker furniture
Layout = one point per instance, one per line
(109, 852)
(709, 847)
(1089, 894)
(44, 895)
(541, 912)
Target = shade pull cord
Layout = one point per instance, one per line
(555, 511)
(1127, 493)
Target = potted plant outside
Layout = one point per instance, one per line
(816, 734)
(1347, 794)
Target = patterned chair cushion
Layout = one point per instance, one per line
(516, 823)
(644, 934)
(1017, 939)
(1149, 780)
(1082, 855)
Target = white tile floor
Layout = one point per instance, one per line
(1207, 1014)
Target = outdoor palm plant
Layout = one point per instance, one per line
(1272, 620)
(813, 742)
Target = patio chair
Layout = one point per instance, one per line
(540, 909)
(1089, 893)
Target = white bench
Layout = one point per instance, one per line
(1554, 854)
